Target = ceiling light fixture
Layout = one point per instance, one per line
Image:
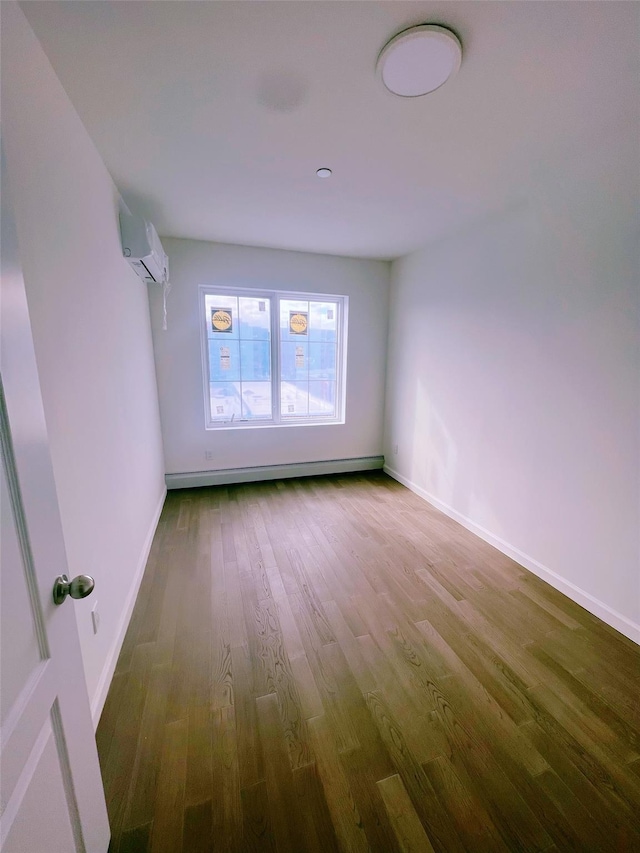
(324, 173)
(419, 60)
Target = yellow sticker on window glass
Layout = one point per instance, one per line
(221, 320)
(298, 322)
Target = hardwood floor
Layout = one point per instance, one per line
(331, 664)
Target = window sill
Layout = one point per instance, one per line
(271, 425)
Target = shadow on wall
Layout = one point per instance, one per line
(459, 433)
(433, 453)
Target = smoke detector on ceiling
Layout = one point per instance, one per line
(419, 60)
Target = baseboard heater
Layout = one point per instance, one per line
(227, 476)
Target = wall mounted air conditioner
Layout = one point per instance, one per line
(141, 246)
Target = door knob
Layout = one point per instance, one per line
(79, 587)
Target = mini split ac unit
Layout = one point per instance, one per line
(141, 246)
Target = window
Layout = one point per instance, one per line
(272, 358)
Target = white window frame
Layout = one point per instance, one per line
(274, 296)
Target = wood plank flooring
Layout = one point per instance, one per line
(330, 664)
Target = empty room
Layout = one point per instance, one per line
(320, 426)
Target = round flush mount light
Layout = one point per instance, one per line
(419, 60)
(324, 173)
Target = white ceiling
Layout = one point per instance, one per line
(213, 117)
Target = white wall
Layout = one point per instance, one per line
(179, 361)
(90, 319)
(514, 356)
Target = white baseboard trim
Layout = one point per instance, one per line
(272, 472)
(598, 608)
(100, 696)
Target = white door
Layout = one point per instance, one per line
(51, 795)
